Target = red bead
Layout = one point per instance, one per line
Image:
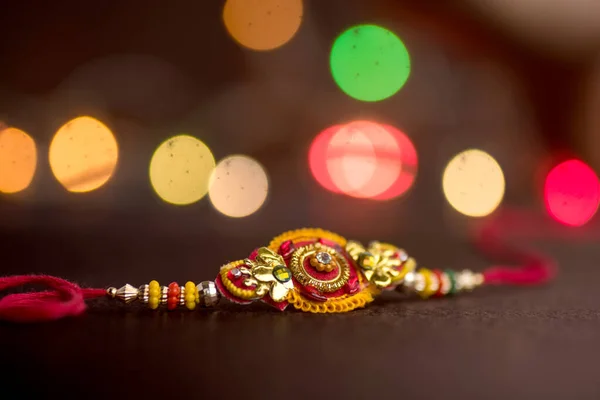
(172, 303)
(438, 275)
(174, 289)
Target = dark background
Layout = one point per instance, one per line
(523, 91)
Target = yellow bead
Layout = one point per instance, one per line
(154, 292)
(190, 305)
(190, 297)
(429, 277)
(153, 302)
(190, 287)
(197, 296)
(153, 284)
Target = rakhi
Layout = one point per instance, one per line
(312, 270)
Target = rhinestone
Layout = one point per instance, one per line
(403, 256)
(236, 273)
(324, 258)
(282, 274)
(209, 295)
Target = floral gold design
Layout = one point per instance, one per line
(268, 274)
(382, 264)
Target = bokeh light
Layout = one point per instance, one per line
(83, 154)
(317, 158)
(473, 183)
(262, 24)
(369, 63)
(363, 159)
(409, 161)
(238, 186)
(18, 160)
(180, 170)
(572, 193)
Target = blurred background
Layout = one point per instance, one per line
(172, 137)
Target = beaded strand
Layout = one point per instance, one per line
(152, 294)
(437, 283)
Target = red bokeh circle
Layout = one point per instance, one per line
(572, 193)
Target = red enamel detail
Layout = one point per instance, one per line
(280, 306)
(286, 249)
(315, 273)
(329, 243)
(311, 292)
(352, 286)
(253, 255)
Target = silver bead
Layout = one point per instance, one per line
(466, 280)
(164, 294)
(209, 295)
(236, 273)
(419, 284)
(409, 280)
(143, 292)
(182, 296)
(127, 293)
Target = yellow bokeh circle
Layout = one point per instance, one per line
(262, 24)
(180, 170)
(18, 160)
(83, 154)
(473, 183)
(238, 186)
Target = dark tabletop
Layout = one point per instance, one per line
(495, 343)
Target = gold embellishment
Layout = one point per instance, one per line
(300, 273)
(304, 234)
(269, 274)
(379, 262)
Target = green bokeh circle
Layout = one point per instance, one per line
(369, 63)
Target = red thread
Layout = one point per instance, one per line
(532, 268)
(66, 299)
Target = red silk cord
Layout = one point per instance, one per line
(64, 300)
(530, 268)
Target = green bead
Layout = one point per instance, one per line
(452, 277)
(282, 273)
